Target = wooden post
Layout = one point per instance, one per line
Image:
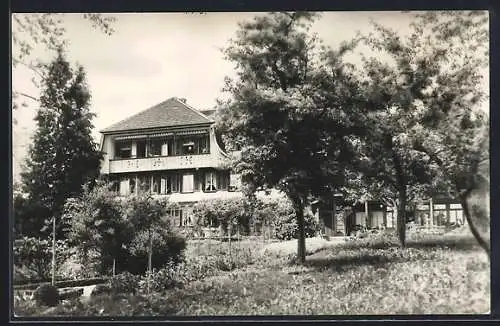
(366, 213)
(114, 267)
(150, 254)
(53, 251)
(334, 216)
(136, 190)
(431, 213)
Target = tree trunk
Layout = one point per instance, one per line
(401, 217)
(475, 232)
(401, 187)
(53, 251)
(301, 241)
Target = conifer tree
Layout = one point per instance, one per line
(63, 155)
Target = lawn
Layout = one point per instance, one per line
(446, 274)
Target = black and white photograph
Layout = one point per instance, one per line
(296, 163)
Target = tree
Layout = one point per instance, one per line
(32, 30)
(424, 101)
(98, 223)
(287, 110)
(63, 155)
(149, 218)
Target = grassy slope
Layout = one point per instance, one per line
(434, 275)
(445, 276)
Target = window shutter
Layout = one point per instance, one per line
(188, 182)
(124, 187)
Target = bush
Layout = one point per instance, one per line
(47, 295)
(98, 228)
(33, 256)
(168, 248)
(101, 289)
(230, 214)
(168, 277)
(126, 283)
(281, 215)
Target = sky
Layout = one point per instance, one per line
(154, 56)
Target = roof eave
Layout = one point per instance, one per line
(110, 132)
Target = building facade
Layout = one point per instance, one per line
(170, 150)
(342, 219)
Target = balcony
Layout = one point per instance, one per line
(164, 163)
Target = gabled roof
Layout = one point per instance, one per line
(169, 113)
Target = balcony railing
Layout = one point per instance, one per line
(164, 163)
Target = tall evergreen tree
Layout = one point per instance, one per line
(63, 155)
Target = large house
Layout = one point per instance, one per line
(169, 149)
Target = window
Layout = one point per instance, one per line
(186, 218)
(144, 183)
(210, 181)
(155, 147)
(188, 148)
(115, 186)
(198, 181)
(156, 184)
(132, 185)
(174, 183)
(141, 148)
(175, 215)
(202, 145)
(188, 182)
(163, 185)
(123, 149)
(223, 180)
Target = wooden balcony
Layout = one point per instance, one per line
(165, 163)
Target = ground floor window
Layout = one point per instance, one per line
(210, 181)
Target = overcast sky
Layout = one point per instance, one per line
(152, 57)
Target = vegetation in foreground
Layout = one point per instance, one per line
(434, 275)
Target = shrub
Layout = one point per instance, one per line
(126, 283)
(34, 256)
(98, 227)
(168, 277)
(101, 289)
(230, 214)
(168, 248)
(284, 222)
(47, 295)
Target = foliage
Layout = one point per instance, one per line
(47, 295)
(98, 224)
(168, 248)
(413, 86)
(230, 214)
(287, 110)
(125, 282)
(280, 214)
(35, 255)
(34, 30)
(28, 216)
(101, 289)
(154, 243)
(63, 155)
(442, 275)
